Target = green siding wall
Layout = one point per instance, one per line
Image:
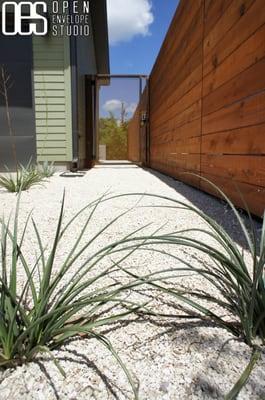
(53, 103)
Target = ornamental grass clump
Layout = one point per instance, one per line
(46, 169)
(239, 284)
(23, 179)
(56, 304)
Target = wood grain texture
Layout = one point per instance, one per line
(254, 196)
(240, 168)
(245, 112)
(207, 99)
(248, 140)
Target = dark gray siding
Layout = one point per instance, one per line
(16, 57)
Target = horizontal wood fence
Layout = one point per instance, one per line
(207, 99)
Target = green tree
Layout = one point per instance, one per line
(113, 133)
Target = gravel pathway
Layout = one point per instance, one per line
(171, 358)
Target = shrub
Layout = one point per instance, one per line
(23, 179)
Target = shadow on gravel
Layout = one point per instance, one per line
(187, 332)
(80, 359)
(48, 377)
(210, 205)
(206, 388)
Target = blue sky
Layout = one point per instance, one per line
(137, 29)
(137, 54)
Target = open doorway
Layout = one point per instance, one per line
(117, 104)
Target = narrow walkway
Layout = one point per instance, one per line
(172, 358)
(119, 178)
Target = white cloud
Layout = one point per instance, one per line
(114, 106)
(128, 19)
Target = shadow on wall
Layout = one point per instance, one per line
(212, 206)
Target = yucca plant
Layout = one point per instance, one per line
(239, 285)
(46, 169)
(53, 306)
(23, 179)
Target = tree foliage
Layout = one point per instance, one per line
(113, 133)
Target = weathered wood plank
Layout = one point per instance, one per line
(249, 53)
(207, 98)
(214, 9)
(249, 140)
(235, 10)
(254, 196)
(248, 23)
(241, 168)
(250, 111)
(249, 82)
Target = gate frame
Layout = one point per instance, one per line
(104, 80)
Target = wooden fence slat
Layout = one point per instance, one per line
(249, 53)
(228, 20)
(247, 112)
(254, 196)
(249, 140)
(250, 81)
(249, 22)
(207, 99)
(241, 168)
(213, 12)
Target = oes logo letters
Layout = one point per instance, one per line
(25, 11)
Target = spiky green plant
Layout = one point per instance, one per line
(23, 179)
(53, 306)
(239, 285)
(46, 169)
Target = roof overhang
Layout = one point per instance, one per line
(100, 32)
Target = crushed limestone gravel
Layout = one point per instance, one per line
(170, 358)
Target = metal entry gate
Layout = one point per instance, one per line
(121, 130)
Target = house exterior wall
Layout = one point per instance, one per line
(53, 99)
(53, 103)
(18, 141)
(207, 99)
(86, 66)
